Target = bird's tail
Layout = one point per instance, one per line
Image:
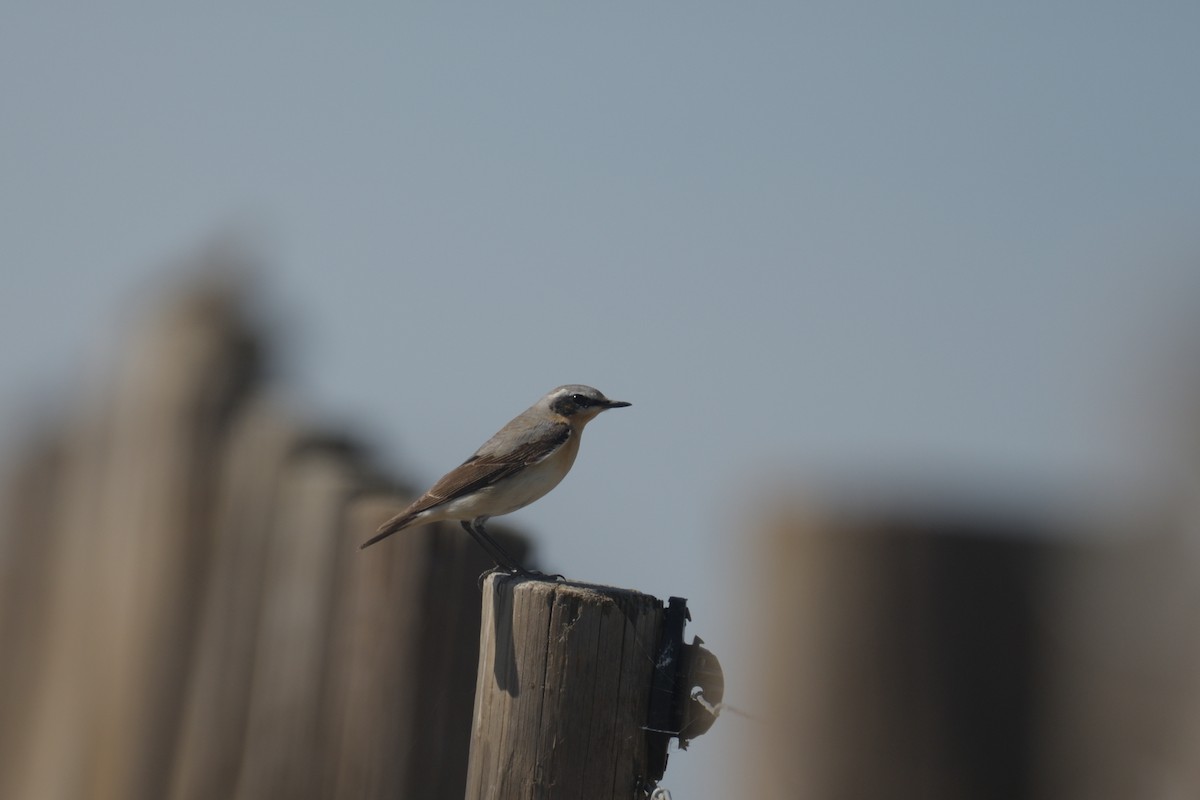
(393, 525)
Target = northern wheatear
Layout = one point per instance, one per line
(524, 460)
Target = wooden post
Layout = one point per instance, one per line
(565, 673)
(254, 479)
(899, 656)
(913, 654)
(29, 496)
(282, 750)
(131, 551)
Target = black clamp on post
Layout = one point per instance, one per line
(686, 693)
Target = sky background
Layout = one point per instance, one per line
(935, 242)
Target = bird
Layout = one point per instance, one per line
(521, 463)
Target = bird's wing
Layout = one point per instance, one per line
(524, 444)
(490, 465)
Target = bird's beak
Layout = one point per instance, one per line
(616, 404)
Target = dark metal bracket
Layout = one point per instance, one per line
(686, 693)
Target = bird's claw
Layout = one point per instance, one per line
(520, 572)
(538, 575)
(492, 570)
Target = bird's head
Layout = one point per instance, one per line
(580, 403)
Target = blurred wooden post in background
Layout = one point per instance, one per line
(910, 654)
(284, 749)
(32, 493)
(219, 690)
(403, 653)
(194, 618)
(898, 659)
(132, 550)
(563, 690)
(1122, 693)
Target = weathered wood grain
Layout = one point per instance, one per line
(562, 691)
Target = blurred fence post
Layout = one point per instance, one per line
(899, 658)
(908, 654)
(1122, 691)
(403, 649)
(182, 577)
(132, 548)
(217, 697)
(31, 492)
(284, 740)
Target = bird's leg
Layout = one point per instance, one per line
(482, 536)
(497, 554)
(512, 562)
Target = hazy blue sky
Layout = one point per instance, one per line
(820, 236)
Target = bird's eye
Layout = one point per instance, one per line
(581, 400)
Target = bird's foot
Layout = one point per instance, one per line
(521, 572)
(538, 575)
(491, 571)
